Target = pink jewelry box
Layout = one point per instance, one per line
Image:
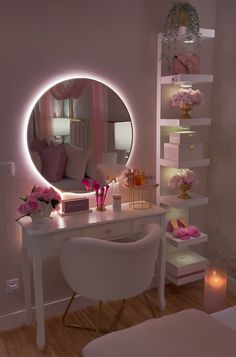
(74, 205)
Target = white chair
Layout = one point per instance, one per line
(103, 270)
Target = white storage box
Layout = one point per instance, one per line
(185, 262)
(183, 152)
(184, 137)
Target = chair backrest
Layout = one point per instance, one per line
(104, 270)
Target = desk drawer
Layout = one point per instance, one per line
(108, 230)
(140, 222)
(58, 239)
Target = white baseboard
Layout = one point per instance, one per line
(57, 307)
(232, 285)
(17, 318)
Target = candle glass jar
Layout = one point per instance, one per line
(215, 285)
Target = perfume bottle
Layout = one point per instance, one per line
(139, 178)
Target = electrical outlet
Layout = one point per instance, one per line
(12, 285)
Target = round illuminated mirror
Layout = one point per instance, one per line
(77, 129)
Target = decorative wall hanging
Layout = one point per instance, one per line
(182, 22)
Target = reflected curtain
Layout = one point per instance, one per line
(81, 110)
(41, 125)
(79, 131)
(99, 120)
(72, 88)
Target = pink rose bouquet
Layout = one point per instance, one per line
(185, 176)
(187, 96)
(33, 201)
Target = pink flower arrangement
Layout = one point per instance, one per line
(185, 176)
(187, 96)
(32, 202)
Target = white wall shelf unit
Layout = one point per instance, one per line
(185, 279)
(183, 264)
(186, 123)
(180, 243)
(174, 201)
(187, 78)
(184, 164)
(206, 34)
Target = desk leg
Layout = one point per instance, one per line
(26, 284)
(161, 268)
(38, 291)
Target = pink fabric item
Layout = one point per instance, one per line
(69, 89)
(36, 160)
(54, 160)
(193, 231)
(38, 145)
(183, 334)
(182, 233)
(186, 232)
(186, 63)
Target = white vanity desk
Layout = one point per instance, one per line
(110, 225)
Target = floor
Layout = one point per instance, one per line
(63, 341)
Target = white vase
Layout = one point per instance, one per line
(46, 209)
(42, 220)
(36, 217)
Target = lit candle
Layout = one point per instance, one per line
(215, 290)
(115, 186)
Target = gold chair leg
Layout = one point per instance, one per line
(68, 308)
(146, 298)
(99, 318)
(118, 316)
(82, 327)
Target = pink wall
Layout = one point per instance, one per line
(40, 40)
(222, 174)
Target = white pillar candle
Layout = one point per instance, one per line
(215, 290)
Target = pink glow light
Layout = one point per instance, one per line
(36, 96)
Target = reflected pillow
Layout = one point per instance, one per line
(36, 160)
(38, 145)
(54, 161)
(77, 161)
(91, 165)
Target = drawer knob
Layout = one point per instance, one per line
(108, 231)
(191, 147)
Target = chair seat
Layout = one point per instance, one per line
(187, 333)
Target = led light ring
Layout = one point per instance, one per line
(38, 95)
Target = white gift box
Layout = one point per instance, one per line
(183, 152)
(184, 137)
(184, 262)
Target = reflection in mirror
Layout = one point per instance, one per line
(79, 128)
